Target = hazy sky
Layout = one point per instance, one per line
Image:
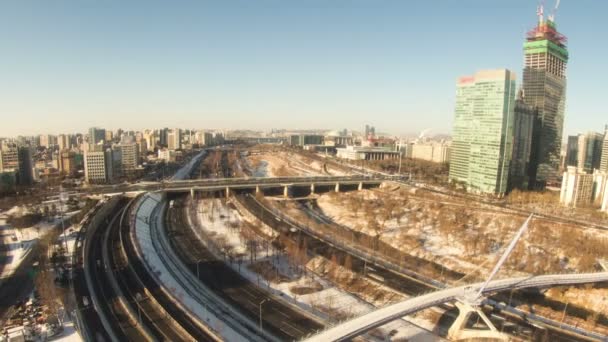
(68, 65)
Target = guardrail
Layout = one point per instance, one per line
(210, 304)
(93, 226)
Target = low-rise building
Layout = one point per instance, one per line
(438, 152)
(305, 139)
(366, 153)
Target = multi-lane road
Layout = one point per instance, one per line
(118, 300)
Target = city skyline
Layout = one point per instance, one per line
(353, 62)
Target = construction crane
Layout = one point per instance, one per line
(554, 12)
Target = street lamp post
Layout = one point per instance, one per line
(400, 157)
(62, 198)
(262, 302)
(198, 275)
(138, 299)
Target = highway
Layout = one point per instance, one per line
(88, 319)
(283, 321)
(128, 308)
(105, 300)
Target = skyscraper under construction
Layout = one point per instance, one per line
(544, 85)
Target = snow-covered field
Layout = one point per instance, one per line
(310, 291)
(19, 242)
(468, 239)
(277, 164)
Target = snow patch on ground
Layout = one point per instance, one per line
(218, 222)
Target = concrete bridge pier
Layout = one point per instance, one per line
(360, 187)
(191, 192)
(227, 192)
(257, 189)
(286, 191)
(459, 331)
(337, 189)
(312, 188)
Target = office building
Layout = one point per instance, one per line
(25, 175)
(584, 151)
(483, 131)
(590, 151)
(370, 131)
(544, 84)
(438, 152)
(96, 135)
(524, 119)
(305, 139)
(163, 134)
(366, 153)
(98, 167)
(572, 151)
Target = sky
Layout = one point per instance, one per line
(261, 64)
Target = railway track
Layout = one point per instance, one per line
(172, 323)
(279, 319)
(402, 283)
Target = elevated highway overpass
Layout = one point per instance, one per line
(253, 183)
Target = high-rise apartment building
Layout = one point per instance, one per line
(129, 158)
(64, 142)
(483, 131)
(163, 137)
(544, 84)
(604, 157)
(66, 162)
(174, 139)
(577, 188)
(18, 159)
(9, 158)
